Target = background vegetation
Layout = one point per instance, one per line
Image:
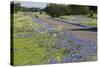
(56, 10)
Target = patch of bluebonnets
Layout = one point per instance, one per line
(80, 50)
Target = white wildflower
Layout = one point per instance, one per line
(59, 27)
(54, 35)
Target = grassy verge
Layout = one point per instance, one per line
(65, 17)
(33, 47)
(22, 23)
(42, 16)
(90, 21)
(90, 24)
(93, 22)
(25, 50)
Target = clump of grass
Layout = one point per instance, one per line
(29, 54)
(92, 22)
(22, 23)
(65, 17)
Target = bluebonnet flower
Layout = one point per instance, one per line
(67, 59)
(37, 20)
(76, 56)
(68, 40)
(21, 35)
(53, 61)
(29, 35)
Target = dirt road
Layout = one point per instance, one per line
(86, 35)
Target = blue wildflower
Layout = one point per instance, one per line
(66, 59)
(53, 61)
(76, 56)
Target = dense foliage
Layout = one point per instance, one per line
(56, 10)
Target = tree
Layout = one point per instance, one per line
(93, 8)
(56, 10)
(15, 7)
(79, 9)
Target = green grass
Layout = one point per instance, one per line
(65, 17)
(93, 16)
(42, 16)
(27, 52)
(33, 50)
(22, 23)
(40, 48)
(90, 24)
(26, 49)
(93, 22)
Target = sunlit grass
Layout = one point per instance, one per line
(90, 21)
(22, 23)
(65, 17)
(90, 24)
(32, 50)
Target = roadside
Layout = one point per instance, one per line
(87, 35)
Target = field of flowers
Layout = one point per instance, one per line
(36, 42)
